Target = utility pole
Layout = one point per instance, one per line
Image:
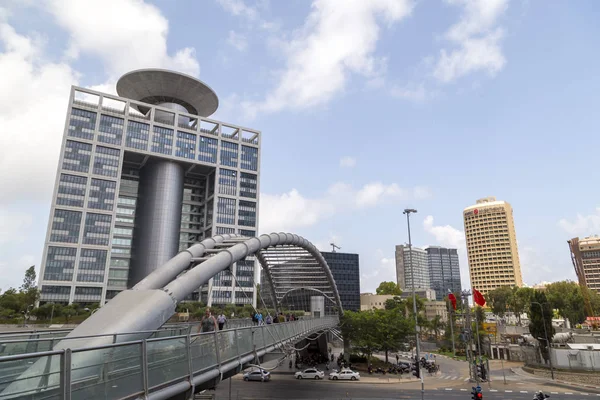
(469, 330)
(452, 329)
(333, 246)
(408, 211)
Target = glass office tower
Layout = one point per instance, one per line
(346, 274)
(444, 271)
(141, 177)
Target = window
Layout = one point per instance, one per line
(60, 263)
(92, 264)
(247, 213)
(65, 226)
(162, 140)
(71, 190)
(248, 183)
(111, 130)
(55, 293)
(82, 124)
(226, 211)
(137, 135)
(119, 262)
(97, 229)
(245, 232)
(249, 158)
(106, 161)
(229, 154)
(77, 156)
(102, 194)
(87, 294)
(227, 181)
(185, 145)
(207, 149)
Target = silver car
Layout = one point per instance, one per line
(260, 375)
(310, 373)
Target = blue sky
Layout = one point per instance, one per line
(365, 107)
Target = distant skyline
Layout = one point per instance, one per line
(364, 110)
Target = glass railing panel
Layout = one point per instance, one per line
(107, 373)
(31, 378)
(245, 340)
(167, 360)
(226, 345)
(203, 352)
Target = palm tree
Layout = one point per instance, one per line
(436, 325)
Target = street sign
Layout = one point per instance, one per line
(490, 327)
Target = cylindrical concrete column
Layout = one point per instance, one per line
(158, 217)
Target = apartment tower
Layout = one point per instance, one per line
(404, 270)
(492, 245)
(142, 176)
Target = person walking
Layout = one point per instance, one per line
(221, 319)
(208, 322)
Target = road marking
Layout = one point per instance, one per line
(508, 391)
(463, 390)
(556, 393)
(491, 390)
(447, 389)
(466, 379)
(568, 393)
(523, 391)
(584, 394)
(455, 378)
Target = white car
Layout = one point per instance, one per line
(310, 373)
(347, 374)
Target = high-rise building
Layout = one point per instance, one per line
(585, 253)
(141, 177)
(346, 274)
(404, 274)
(444, 271)
(492, 245)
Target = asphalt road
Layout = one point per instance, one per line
(286, 387)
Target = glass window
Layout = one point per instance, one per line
(221, 230)
(88, 294)
(162, 140)
(186, 145)
(226, 211)
(119, 262)
(82, 124)
(229, 154)
(106, 161)
(249, 233)
(97, 229)
(248, 183)
(207, 149)
(137, 135)
(55, 293)
(111, 130)
(247, 213)
(92, 264)
(60, 263)
(71, 190)
(65, 226)
(102, 194)
(227, 181)
(249, 158)
(77, 156)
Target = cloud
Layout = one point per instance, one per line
(239, 8)
(414, 93)
(124, 34)
(288, 211)
(13, 226)
(333, 43)
(238, 41)
(583, 225)
(347, 162)
(477, 41)
(378, 268)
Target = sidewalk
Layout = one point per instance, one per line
(557, 382)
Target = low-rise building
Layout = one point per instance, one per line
(370, 301)
(434, 307)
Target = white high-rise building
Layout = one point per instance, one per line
(404, 271)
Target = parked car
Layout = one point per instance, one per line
(259, 375)
(310, 373)
(347, 374)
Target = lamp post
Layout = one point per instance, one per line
(407, 212)
(546, 335)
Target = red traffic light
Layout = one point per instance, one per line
(480, 395)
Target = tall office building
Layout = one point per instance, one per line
(444, 271)
(141, 177)
(492, 245)
(419, 264)
(346, 274)
(585, 254)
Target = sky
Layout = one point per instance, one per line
(365, 108)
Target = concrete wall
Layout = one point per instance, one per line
(588, 360)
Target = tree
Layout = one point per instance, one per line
(29, 280)
(389, 288)
(437, 325)
(520, 300)
(539, 319)
(391, 330)
(499, 299)
(69, 311)
(567, 298)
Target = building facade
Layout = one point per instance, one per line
(346, 274)
(404, 271)
(141, 177)
(444, 271)
(585, 254)
(370, 301)
(492, 245)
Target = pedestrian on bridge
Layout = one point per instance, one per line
(208, 322)
(221, 319)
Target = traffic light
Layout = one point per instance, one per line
(415, 368)
(483, 372)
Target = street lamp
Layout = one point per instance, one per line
(546, 335)
(407, 212)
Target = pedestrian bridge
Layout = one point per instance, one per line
(112, 355)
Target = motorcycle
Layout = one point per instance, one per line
(540, 396)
